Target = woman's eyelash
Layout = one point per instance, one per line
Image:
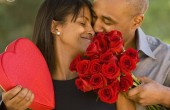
(83, 23)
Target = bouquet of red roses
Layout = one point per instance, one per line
(106, 67)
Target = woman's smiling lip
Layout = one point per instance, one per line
(87, 37)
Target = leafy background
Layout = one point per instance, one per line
(17, 20)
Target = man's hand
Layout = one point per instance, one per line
(17, 98)
(150, 93)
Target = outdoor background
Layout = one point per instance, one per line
(17, 19)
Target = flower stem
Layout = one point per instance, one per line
(136, 80)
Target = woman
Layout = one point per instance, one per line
(62, 30)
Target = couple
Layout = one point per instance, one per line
(64, 28)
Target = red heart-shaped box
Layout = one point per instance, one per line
(23, 64)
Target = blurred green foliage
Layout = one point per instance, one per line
(17, 20)
(157, 20)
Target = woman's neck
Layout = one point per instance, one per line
(64, 56)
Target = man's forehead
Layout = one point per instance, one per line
(106, 8)
(136, 6)
(109, 6)
(110, 1)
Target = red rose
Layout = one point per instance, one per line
(102, 42)
(106, 67)
(112, 34)
(95, 67)
(92, 49)
(83, 68)
(113, 82)
(126, 82)
(97, 81)
(99, 35)
(110, 70)
(74, 63)
(127, 64)
(116, 41)
(132, 53)
(83, 85)
(108, 57)
(108, 95)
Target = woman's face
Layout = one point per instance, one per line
(76, 36)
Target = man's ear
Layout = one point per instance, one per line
(138, 20)
(56, 27)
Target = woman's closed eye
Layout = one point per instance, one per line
(83, 23)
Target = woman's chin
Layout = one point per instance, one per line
(85, 42)
(83, 46)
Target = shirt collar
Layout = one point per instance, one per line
(142, 43)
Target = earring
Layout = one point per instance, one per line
(58, 33)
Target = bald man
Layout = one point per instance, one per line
(127, 16)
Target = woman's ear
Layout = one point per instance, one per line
(56, 28)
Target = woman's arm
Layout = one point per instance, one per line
(124, 104)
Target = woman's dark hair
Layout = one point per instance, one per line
(56, 10)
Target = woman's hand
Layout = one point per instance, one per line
(124, 104)
(17, 98)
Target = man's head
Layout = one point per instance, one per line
(123, 15)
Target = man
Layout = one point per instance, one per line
(127, 17)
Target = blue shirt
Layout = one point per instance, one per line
(154, 59)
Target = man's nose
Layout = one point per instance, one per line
(98, 26)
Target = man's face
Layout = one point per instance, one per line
(113, 15)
